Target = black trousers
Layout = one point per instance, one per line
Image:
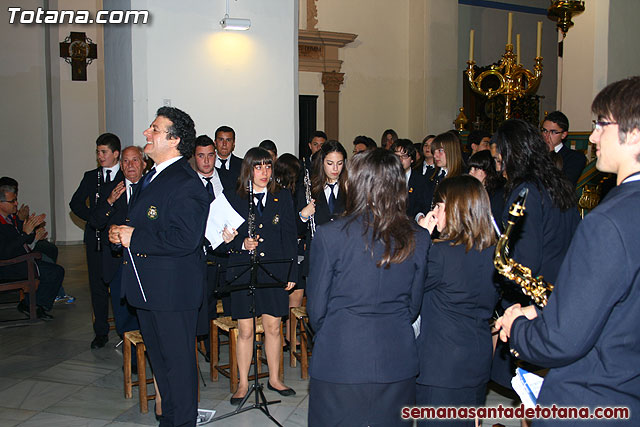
(170, 338)
(125, 315)
(99, 290)
(51, 277)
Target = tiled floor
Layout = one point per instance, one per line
(50, 377)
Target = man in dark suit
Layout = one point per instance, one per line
(215, 183)
(555, 129)
(18, 238)
(94, 182)
(163, 272)
(226, 163)
(416, 182)
(588, 332)
(315, 143)
(112, 209)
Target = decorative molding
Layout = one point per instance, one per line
(318, 51)
(332, 81)
(312, 15)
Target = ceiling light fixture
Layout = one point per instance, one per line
(234, 24)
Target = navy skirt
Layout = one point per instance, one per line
(352, 405)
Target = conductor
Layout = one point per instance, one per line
(165, 281)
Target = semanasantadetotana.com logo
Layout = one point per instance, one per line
(42, 16)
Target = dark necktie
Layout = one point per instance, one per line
(259, 205)
(441, 175)
(147, 178)
(223, 163)
(107, 177)
(209, 186)
(132, 187)
(332, 199)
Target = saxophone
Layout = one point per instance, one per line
(307, 195)
(534, 287)
(251, 217)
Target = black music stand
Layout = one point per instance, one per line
(252, 267)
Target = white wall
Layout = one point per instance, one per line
(48, 161)
(585, 63)
(23, 114)
(623, 58)
(246, 80)
(375, 92)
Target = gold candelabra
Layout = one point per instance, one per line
(515, 81)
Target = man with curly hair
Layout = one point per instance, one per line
(163, 275)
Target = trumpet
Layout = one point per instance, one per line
(307, 195)
(534, 287)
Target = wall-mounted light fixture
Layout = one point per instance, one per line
(234, 24)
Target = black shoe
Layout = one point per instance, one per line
(235, 401)
(99, 341)
(23, 308)
(42, 314)
(285, 392)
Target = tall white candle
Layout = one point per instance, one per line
(539, 38)
(471, 37)
(517, 48)
(510, 28)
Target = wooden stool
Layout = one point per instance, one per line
(230, 370)
(135, 338)
(300, 316)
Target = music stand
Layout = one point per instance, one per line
(255, 388)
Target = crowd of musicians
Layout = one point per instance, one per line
(390, 248)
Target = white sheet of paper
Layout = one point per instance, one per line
(221, 215)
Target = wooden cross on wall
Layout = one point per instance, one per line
(79, 51)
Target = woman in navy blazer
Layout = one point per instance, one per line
(275, 239)
(541, 239)
(329, 175)
(364, 290)
(454, 344)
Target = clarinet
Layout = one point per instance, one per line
(307, 195)
(251, 218)
(98, 241)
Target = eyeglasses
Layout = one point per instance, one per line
(402, 155)
(599, 124)
(11, 201)
(551, 131)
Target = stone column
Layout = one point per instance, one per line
(332, 81)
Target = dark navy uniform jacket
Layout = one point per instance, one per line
(87, 189)
(362, 314)
(540, 240)
(455, 339)
(169, 217)
(589, 332)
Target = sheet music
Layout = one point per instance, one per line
(221, 215)
(527, 385)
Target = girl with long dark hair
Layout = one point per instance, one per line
(454, 345)
(364, 291)
(275, 239)
(541, 238)
(482, 166)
